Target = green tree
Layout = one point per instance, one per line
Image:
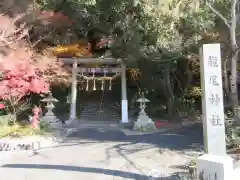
(227, 13)
(143, 32)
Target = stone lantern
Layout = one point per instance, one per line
(144, 122)
(50, 117)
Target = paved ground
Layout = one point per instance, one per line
(106, 154)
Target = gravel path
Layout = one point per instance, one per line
(106, 154)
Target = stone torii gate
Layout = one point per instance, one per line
(77, 70)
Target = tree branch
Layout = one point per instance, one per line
(42, 38)
(218, 14)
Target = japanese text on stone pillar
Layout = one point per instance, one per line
(214, 97)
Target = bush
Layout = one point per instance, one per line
(44, 126)
(17, 130)
(6, 119)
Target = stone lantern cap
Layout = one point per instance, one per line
(49, 98)
(143, 100)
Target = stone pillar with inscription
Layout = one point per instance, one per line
(215, 164)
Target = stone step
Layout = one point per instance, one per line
(98, 107)
(99, 114)
(95, 111)
(100, 117)
(98, 111)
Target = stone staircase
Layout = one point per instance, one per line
(100, 106)
(93, 111)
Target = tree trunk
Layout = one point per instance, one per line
(233, 77)
(170, 104)
(233, 82)
(189, 74)
(226, 82)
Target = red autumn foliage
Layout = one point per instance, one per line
(14, 41)
(51, 68)
(2, 106)
(19, 76)
(56, 18)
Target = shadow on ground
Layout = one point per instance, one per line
(114, 173)
(186, 138)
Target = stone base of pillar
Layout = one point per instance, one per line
(215, 167)
(144, 123)
(72, 122)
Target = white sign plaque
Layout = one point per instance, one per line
(212, 99)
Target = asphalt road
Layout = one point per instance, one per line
(104, 154)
